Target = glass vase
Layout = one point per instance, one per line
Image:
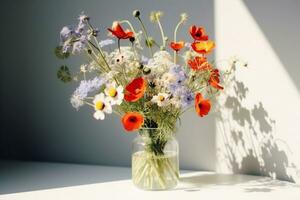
(155, 164)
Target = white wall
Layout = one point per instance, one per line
(258, 130)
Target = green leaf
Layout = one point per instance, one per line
(64, 74)
(60, 54)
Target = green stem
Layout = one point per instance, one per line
(119, 46)
(135, 34)
(146, 35)
(162, 34)
(99, 64)
(103, 58)
(101, 54)
(88, 103)
(117, 113)
(174, 171)
(175, 39)
(98, 48)
(92, 47)
(155, 166)
(141, 176)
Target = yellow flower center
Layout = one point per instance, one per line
(112, 92)
(161, 98)
(99, 105)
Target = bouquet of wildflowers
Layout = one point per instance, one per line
(148, 83)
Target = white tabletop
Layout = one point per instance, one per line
(54, 181)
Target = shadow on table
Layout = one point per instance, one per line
(18, 176)
(244, 182)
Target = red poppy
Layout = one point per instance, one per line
(198, 33)
(118, 31)
(199, 63)
(176, 46)
(214, 79)
(132, 121)
(202, 105)
(135, 89)
(203, 47)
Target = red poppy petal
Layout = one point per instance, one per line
(135, 90)
(132, 121)
(204, 107)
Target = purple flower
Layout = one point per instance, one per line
(66, 47)
(74, 39)
(187, 98)
(82, 18)
(81, 23)
(87, 86)
(179, 73)
(180, 78)
(96, 83)
(185, 95)
(173, 88)
(79, 45)
(175, 69)
(66, 33)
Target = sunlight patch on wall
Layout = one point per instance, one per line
(258, 132)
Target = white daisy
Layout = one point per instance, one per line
(102, 106)
(114, 93)
(162, 99)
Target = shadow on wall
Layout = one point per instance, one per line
(249, 143)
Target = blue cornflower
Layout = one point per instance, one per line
(175, 69)
(180, 78)
(187, 98)
(179, 73)
(173, 88)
